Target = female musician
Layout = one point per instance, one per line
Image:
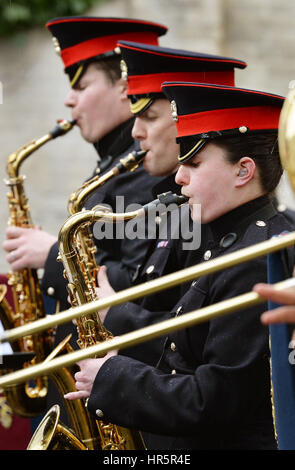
(211, 387)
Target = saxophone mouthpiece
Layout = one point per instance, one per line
(63, 126)
(131, 162)
(139, 156)
(166, 199)
(170, 198)
(181, 199)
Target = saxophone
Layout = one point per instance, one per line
(81, 288)
(28, 400)
(84, 433)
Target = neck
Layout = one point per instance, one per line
(115, 142)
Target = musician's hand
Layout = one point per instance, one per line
(103, 290)
(282, 314)
(89, 368)
(27, 247)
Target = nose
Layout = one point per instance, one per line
(70, 99)
(138, 131)
(182, 176)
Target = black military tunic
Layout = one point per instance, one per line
(175, 247)
(212, 387)
(121, 256)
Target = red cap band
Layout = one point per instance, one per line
(100, 45)
(253, 117)
(151, 83)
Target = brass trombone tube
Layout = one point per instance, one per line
(144, 334)
(156, 285)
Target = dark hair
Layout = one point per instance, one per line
(262, 148)
(111, 67)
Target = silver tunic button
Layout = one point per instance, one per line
(260, 223)
(173, 346)
(50, 290)
(150, 269)
(99, 413)
(173, 371)
(207, 255)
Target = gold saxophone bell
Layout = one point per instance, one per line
(51, 435)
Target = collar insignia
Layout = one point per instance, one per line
(174, 110)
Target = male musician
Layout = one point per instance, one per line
(99, 104)
(211, 388)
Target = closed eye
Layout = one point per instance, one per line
(193, 164)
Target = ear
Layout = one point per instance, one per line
(122, 86)
(246, 169)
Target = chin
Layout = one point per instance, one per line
(148, 168)
(90, 139)
(196, 214)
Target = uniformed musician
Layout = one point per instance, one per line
(145, 68)
(97, 100)
(211, 388)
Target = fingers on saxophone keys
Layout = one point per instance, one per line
(76, 395)
(78, 376)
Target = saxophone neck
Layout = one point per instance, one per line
(78, 198)
(16, 159)
(101, 213)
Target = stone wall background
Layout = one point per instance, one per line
(261, 32)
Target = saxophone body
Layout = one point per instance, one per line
(28, 400)
(84, 433)
(81, 288)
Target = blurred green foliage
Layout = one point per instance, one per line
(18, 15)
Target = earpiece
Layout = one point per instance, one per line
(242, 172)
